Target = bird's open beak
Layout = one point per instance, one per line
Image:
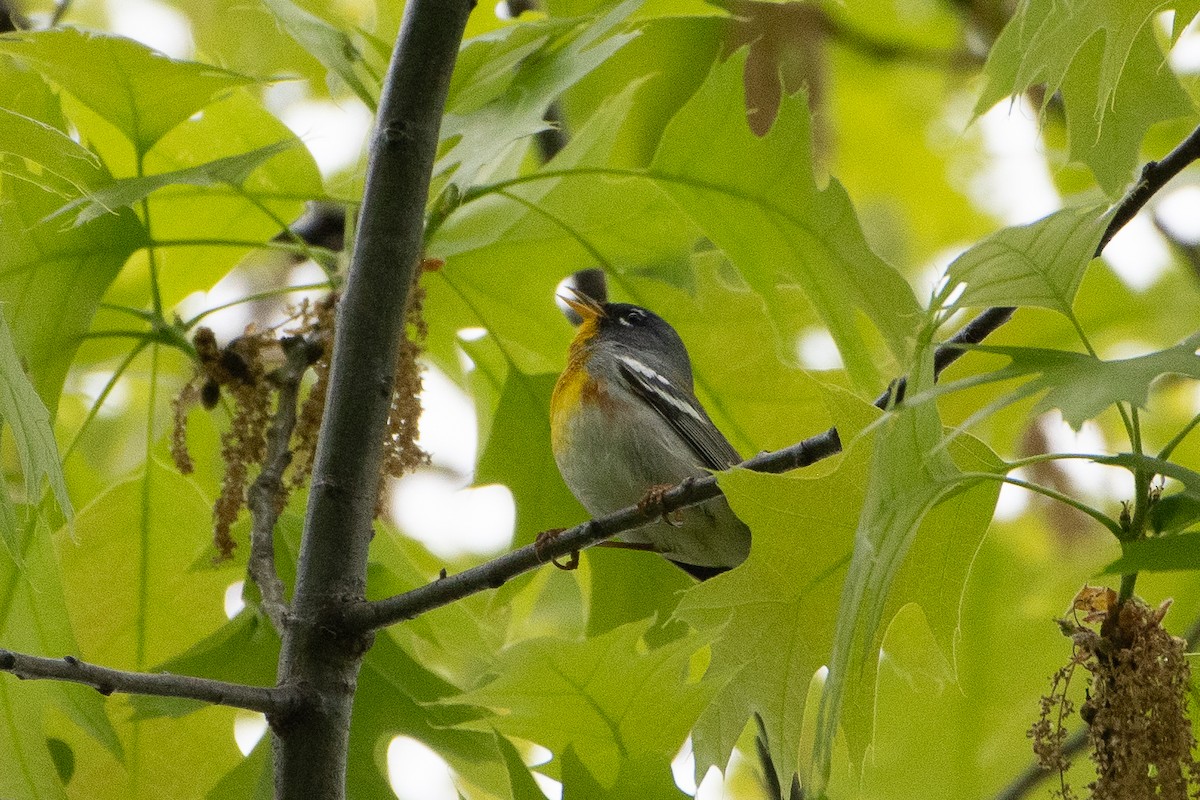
(583, 305)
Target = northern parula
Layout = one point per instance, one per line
(625, 422)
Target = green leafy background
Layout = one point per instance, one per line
(760, 174)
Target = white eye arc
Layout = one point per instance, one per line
(633, 315)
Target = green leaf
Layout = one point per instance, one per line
(231, 171)
(1108, 139)
(63, 757)
(397, 695)
(331, 46)
(29, 770)
(776, 612)
(1103, 58)
(506, 251)
(51, 280)
(257, 208)
(244, 650)
(141, 92)
(756, 199)
(605, 697)
(1174, 512)
(518, 455)
(60, 165)
(504, 81)
(252, 779)
(1078, 384)
(1040, 264)
(134, 602)
(1158, 554)
(910, 472)
(26, 415)
(33, 619)
(645, 776)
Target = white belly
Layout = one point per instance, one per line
(607, 468)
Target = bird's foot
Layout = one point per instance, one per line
(544, 540)
(653, 501)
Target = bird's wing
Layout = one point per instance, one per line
(682, 412)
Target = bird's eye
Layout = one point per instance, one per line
(635, 315)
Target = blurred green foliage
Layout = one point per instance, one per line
(763, 175)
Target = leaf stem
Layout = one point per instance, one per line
(1108, 522)
(252, 298)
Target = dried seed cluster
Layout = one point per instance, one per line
(243, 370)
(401, 453)
(1136, 711)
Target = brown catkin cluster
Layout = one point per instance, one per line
(400, 451)
(316, 322)
(1139, 732)
(240, 371)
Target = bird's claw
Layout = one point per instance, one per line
(544, 540)
(653, 501)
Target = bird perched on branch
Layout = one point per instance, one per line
(626, 425)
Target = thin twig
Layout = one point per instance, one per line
(266, 699)
(368, 616)
(1155, 176)
(268, 495)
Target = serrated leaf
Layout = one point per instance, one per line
(644, 776)
(330, 45)
(142, 92)
(397, 695)
(757, 200)
(51, 280)
(1078, 384)
(777, 611)
(1109, 139)
(1158, 554)
(1040, 264)
(33, 619)
(504, 81)
(910, 472)
(1090, 51)
(229, 171)
(605, 697)
(25, 413)
(61, 165)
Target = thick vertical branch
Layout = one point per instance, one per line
(311, 745)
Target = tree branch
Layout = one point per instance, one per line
(1155, 175)
(369, 616)
(267, 495)
(265, 699)
(311, 747)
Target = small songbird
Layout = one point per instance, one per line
(625, 423)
